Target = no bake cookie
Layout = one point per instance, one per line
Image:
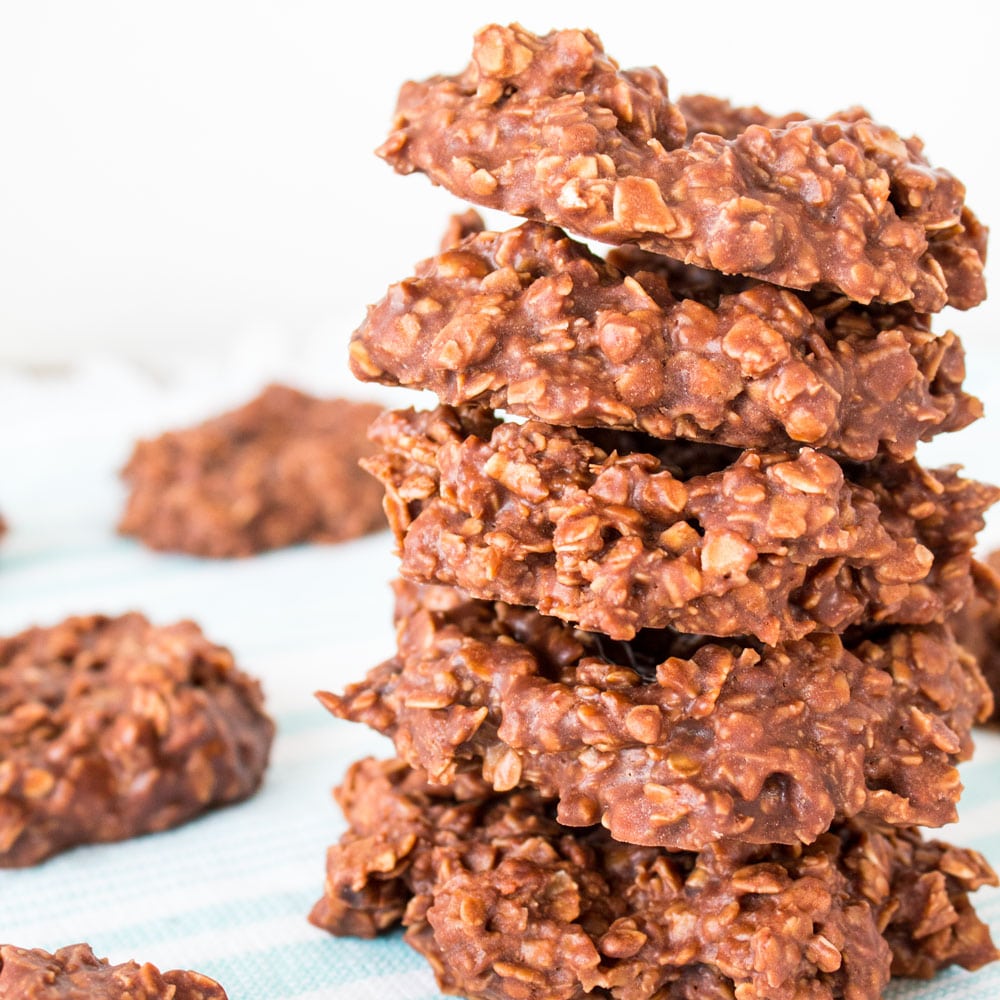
(532, 322)
(113, 727)
(74, 973)
(617, 537)
(977, 625)
(506, 902)
(672, 740)
(280, 470)
(549, 128)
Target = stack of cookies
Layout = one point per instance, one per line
(674, 686)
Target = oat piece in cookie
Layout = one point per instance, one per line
(630, 533)
(549, 128)
(977, 625)
(506, 902)
(460, 226)
(717, 116)
(280, 470)
(113, 727)
(75, 973)
(532, 322)
(673, 740)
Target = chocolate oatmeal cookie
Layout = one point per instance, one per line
(113, 727)
(280, 470)
(549, 128)
(673, 740)
(532, 322)
(74, 973)
(619, 532)
(506, 902)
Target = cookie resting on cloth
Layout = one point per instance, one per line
(74, 973)
(671, 740)
(532, 322)
(506, 903)
(624, 532)
(280, 470)
(113, 727)
(550, 129)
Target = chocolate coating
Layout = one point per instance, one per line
(113, 727)
(550, 129)
(506, 903)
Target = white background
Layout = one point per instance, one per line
(179, 176)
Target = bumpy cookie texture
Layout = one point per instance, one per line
(505, 902)
(461, 226)
(616, 538)
(977, 625)
(532, 322)
(113, 727)
(549, 128)
(280, 470)
(75, 973)
(671, 740)
(716, 116)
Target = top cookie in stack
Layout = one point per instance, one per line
(697, 591)
(550, 129)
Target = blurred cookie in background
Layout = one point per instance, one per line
(74, 971)
(977, 625)
(280, 470)
(114, 727)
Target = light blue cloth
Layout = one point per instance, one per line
(229, 894)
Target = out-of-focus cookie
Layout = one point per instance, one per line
(977, 625)
(113, 727)
(532, 322)
(280, 470)
(75, 973)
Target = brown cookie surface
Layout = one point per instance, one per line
(618, 532)
(549, 128)
(75, 973)
(460, 226)
(506, 902)
(280, 470)
(977, 626)
(672, 740)
(113, 727)
(532, 322)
